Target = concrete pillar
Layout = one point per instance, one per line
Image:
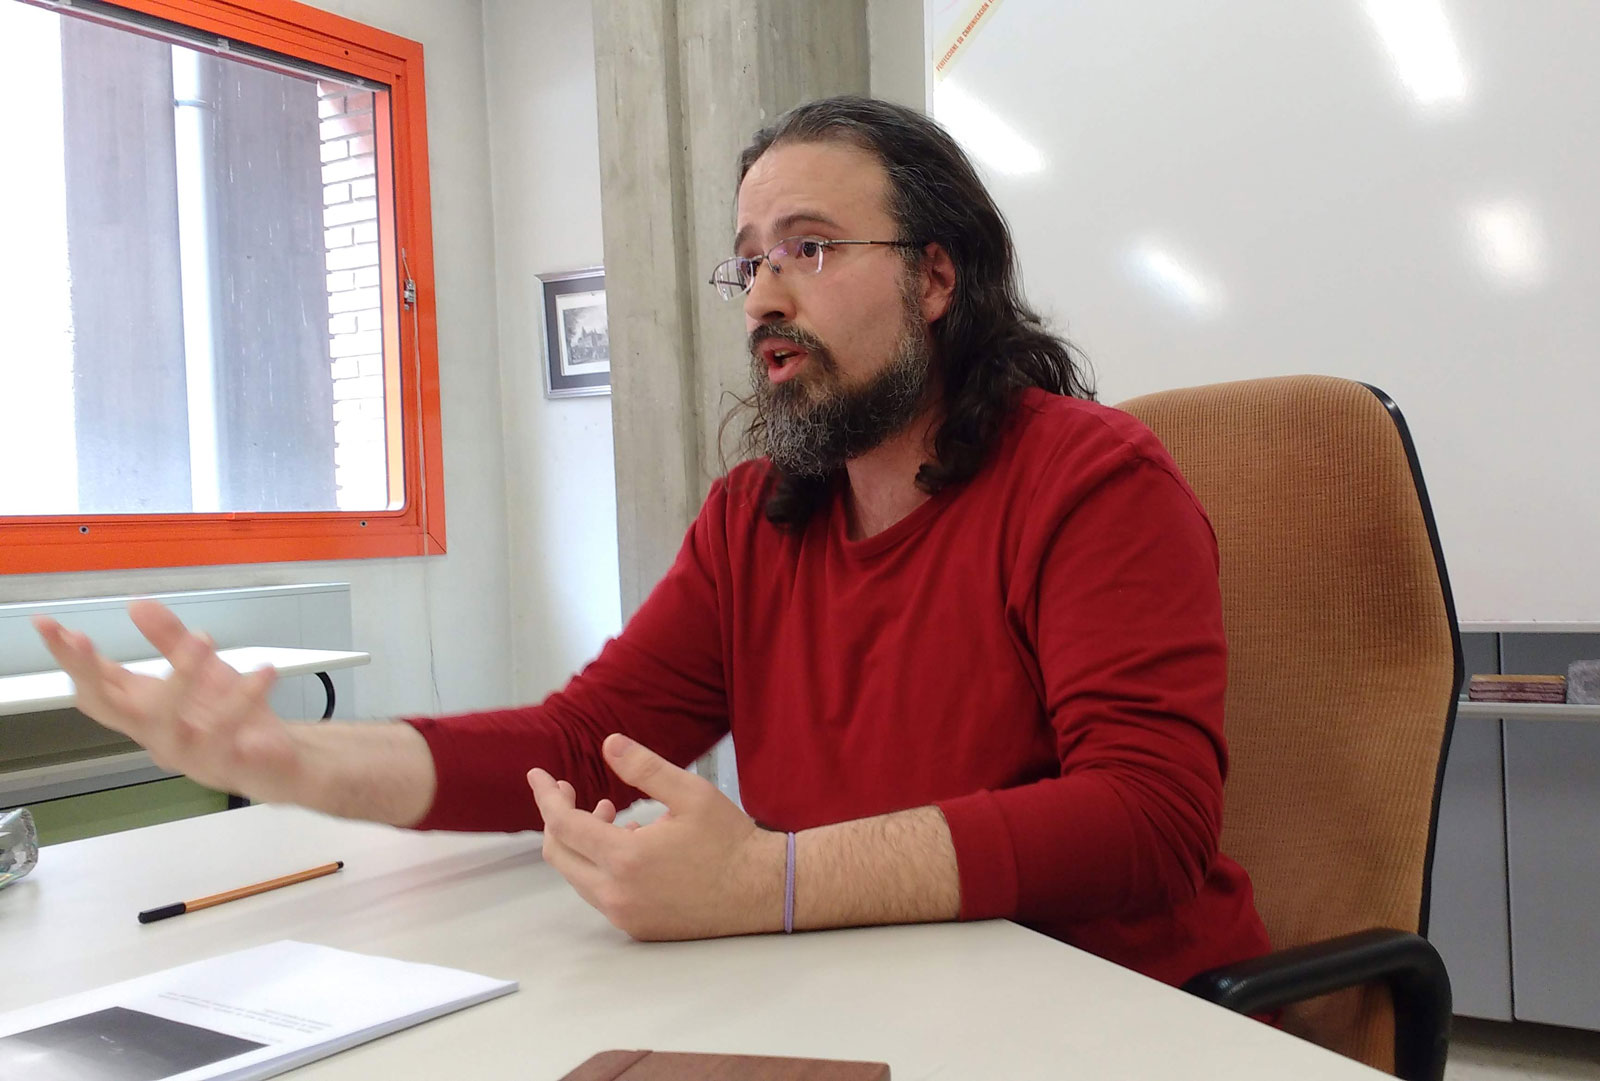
(682, 86)
(644, 225)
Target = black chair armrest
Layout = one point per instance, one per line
(1407, 963)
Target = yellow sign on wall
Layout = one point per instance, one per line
(959, 33)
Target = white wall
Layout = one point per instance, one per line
(442, 621)
(897, 53)
(1400, 194)
(561, 492)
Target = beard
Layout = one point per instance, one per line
(812, 424)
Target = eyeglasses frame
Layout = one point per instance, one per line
(766, 257)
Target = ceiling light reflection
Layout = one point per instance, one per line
(1174, 279)
(1510, 243)
(1418, 37)
(985, 136)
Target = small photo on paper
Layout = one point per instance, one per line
(585, 346)
(115, 1044)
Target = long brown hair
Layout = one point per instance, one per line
(989, 345)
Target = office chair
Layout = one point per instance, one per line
(1344, 663)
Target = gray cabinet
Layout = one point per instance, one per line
(1517, 862)
(1552, 774)
(1468, 920)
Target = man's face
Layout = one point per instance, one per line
(840, 358)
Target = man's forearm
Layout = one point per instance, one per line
(896, 868)
(380, 772)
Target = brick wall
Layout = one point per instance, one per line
(355, 323)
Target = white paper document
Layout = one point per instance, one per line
(250, 1014)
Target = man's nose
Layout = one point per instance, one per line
(769, 299)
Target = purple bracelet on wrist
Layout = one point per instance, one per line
(788, 889)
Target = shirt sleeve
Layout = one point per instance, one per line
(660, 682)
(1126, 625)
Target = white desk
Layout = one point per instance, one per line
(956, 1001)
(33, 692)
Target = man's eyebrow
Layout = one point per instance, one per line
(785, 223)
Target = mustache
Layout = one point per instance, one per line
(789, 333)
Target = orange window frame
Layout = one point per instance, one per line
(36, 544)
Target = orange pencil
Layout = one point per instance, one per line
(151, 915)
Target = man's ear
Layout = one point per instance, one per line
(938, 282)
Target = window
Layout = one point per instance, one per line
(217, 288)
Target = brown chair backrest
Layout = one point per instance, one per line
(1343, 662)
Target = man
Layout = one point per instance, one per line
(963, 623)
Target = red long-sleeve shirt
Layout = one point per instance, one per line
(1038, 651)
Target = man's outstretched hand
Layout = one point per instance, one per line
(704, 869)
(205, 720)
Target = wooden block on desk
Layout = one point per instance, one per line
(678, 1066)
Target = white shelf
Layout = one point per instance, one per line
(1527, 626)
(1529, 711)
(33, 692)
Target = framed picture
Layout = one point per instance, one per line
(577, 350)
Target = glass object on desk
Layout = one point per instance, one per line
(19, 845)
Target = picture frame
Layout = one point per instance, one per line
(577, 346)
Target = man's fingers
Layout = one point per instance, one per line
(651, 774)
(247, 693)
(193, 656)
(115, 687)
(547, 792)
(606, 811)
(51, 633)
(259, 684)
(549, 797)
(200, 679)
(159, 625)
(94, 678)
(593, 839)
(561, 821)
(72, 651)
(584, 876)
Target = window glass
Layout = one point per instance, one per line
(190, 279)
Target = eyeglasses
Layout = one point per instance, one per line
(802, 254)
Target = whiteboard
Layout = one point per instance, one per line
(1405, 192)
